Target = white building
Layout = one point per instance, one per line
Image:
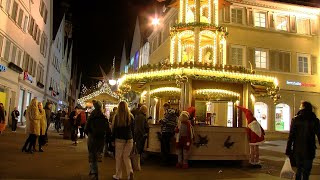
(53, 93)
(25, 28)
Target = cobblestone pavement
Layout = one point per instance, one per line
(61, 161)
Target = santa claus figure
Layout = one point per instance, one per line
(255, 135)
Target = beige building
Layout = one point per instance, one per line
(274, 39)
(25, 28)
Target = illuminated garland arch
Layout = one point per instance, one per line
(216, 94)
(165, 92)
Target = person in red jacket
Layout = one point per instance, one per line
(255, 135)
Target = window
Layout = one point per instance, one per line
(261, 114)
(41, 8)
(303, 63)
(237, 15)
(38, 37)
(279, 61)
(303, 26)
(31, 26)
(40, 72)
(1, 44)
(260, 19)
(13, 54)
(282, 120)
(25, 61)
(35, 32)
(8, 6)
(237, 55)
(260, 59)
(282, 23)
(19, 57)
(20, 18)
(14, 11)
(45, 16)
(7, 50)
(25, 24)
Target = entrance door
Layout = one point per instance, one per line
(282, 121)
(20, 105)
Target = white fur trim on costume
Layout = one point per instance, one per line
(255, 127)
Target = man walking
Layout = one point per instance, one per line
(15, 116)
(302, 142)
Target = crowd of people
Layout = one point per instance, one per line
(124, 131)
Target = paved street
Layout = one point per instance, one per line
(61, 160)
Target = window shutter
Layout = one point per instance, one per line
(229, 54)
(287, 62)
(34, 68)
(25, 59)
(226, 13)
(314, 65)
(314, 29)
(293, 26)
(272, 60)
(271, 20)
(250, 17)
(250, 58)
(1, 44)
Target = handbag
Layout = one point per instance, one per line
(135, 158)
(286, 171)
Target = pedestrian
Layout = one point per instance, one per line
(301, 142)
(83, 120)
(184, 138)
(57, 121)
(95, 129)
(135, 110)
(33, 125)
(48, 111)
(109, 147)
(43, 127)
(141, 129)
(122, 129)
(256, 137)
(168, 125)
(2, 118)
(74, 123)
(15, 116)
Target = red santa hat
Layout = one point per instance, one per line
(248, 114)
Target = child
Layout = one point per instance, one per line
(255, 135)
(184, 137)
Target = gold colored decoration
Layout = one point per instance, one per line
(216, 94)
(165, 92)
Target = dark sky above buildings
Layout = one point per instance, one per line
(102, 26)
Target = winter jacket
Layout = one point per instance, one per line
(301, 142)
(96, 125)
(123, 132)
(34, 120)
(169, 122)
(141, 129)
(15, 114)
(43, 121)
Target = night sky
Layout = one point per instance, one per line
(101, 27)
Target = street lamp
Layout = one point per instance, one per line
(112, 81)
(155, 21)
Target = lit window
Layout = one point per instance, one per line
(303, 26)
(260, 19)
(303, 64)
(236, 16)
(282, 22)
(261, 59)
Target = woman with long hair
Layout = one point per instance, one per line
(43, 126)
(2, 118)
(33, 120)
(122, 129)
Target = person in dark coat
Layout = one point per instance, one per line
(48, 111)
(141, 128)
(95, 129)
(15, 116)
(75, 124)
(301, 142)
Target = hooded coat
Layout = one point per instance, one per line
(43, 121)
(254, 130)
(34, 118)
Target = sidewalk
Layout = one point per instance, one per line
(63, 161)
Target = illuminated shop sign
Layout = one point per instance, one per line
(3, 68)
(297, 83)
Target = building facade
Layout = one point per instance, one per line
(25, 30)
(271, 38)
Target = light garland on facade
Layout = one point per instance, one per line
(209, 10)
(105, 89)
(172, 49)
(204, 47)
(215, 50)
(216, 12)
(165, 91)
(195, 73)
(215, 94)
(181, 11)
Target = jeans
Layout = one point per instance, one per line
(14, 124)
(304, 167)
(82, 131)
(94, 147)
(165, 145)
(123, 151)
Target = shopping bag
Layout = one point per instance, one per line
(2, 126)
(286, 171)
(135, 158)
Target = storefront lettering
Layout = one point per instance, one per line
(297, 83)
(3, 68)
(28, 77)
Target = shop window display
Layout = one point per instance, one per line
(261, 114)
(282, 121)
